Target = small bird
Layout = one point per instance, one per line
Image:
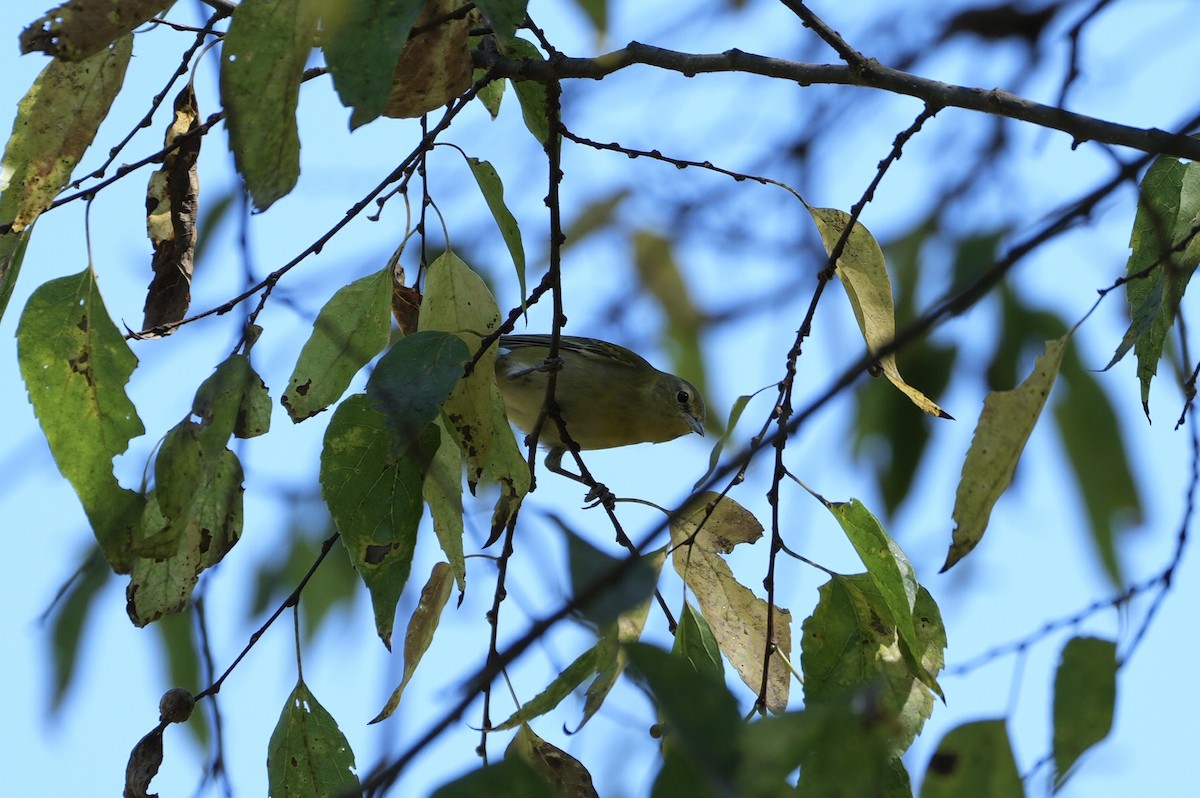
(606, 395)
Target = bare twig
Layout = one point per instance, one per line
(869, 74)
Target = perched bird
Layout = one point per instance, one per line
(606, 395)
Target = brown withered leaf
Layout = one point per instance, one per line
(80, 28)
(144, 762)
(171, 200)
(406, 301)
(434, 66)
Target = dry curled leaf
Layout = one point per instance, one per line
(171, 200)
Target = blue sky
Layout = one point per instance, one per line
(1034, 566)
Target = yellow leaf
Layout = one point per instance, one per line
(863, 272)
(738, 618)
(1004, 426)
(456, 300)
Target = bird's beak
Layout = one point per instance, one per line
(697, 425)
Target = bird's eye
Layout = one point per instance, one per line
(682, 397)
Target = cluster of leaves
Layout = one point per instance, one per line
(870, 651)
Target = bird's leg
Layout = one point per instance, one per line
(549, 364)
(597, 493)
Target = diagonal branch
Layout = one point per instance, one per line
(868, 73)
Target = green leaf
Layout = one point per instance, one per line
(12, 253)
(233, 401)
(262, 62)
(863, 272)
(708, 527)
(202, 532)
(492, 189)
(850, 645)
(890, 571)
(694, 641)
(975, 760)
(701, 715)
(530, 94)
(568, 775)
(55, 123)
(411, 381)
(492, 93)
(597, 12)
(351, 328)
(611, 658)
(308, 754)
(362, 44)
(1168, 211)
(81, 28)
(613, 584)
(75, 364)
(714, 458)
(1004, 428)
(1085, 693)
(660, 275)
(421, 627)
(563, 685)
(505, 16)
(375, 499)
(442, 491)
(72, 610)
(1095, 446)
(511, 777)
(458, 301)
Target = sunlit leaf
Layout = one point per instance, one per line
(76, 364)
(442, 491)
(738, 618)
(351, 329)
(974, 759)
(850, 645)
(892, 574)
(308, 754)
(56, 121)
(1004, 427)
(492, 189)
(421, 627)
(1165, 251)
(864, 274)
(458, 301)
(1085, 694)
(262, 61)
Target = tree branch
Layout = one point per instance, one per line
(869, 74)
